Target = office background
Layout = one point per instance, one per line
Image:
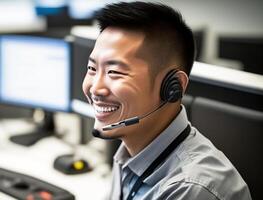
(225, 90)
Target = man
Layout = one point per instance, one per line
(136, 76)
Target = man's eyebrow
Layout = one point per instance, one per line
(92, 60)
(117, 62)
(111, 62)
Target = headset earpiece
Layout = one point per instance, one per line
(171, 89)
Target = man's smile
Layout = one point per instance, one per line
(103, 111)
(105, 108)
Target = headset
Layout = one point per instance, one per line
(171, 91)
(171, 88)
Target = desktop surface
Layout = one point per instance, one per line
(37, 161)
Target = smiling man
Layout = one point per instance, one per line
(136, 76)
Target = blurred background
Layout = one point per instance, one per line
(228, 33)
(225, 90)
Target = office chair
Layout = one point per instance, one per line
(236, 131)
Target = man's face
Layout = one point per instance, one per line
(118, 82)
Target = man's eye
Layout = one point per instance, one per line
(113, 72)
(91, 68)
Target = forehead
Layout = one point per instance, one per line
(118, 42)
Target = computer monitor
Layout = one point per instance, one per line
(82, 47)
(35, 72)
(246, 49)
(63, 14)
(55, 12)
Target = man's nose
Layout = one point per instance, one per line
(99, 86)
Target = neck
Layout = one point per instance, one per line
(150, 128)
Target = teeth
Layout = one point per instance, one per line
(103, 109)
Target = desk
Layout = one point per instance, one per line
(37, 161)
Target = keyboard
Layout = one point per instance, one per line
(23, 187)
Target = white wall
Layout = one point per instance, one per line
(226, 16)
(221, 17)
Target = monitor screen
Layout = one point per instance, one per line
(35, 72)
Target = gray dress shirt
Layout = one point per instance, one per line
(194, 170)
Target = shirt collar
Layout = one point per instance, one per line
(140, 162)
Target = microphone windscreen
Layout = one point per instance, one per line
(96, 133)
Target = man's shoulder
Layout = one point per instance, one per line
(202, 166)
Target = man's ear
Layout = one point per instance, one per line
(183, 78)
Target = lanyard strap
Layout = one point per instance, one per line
(169, 149)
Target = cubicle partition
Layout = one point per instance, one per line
(227, 85)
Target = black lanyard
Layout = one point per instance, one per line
(169, 149)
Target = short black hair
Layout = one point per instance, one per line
(166, 32)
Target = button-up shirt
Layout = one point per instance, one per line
(194, 170)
